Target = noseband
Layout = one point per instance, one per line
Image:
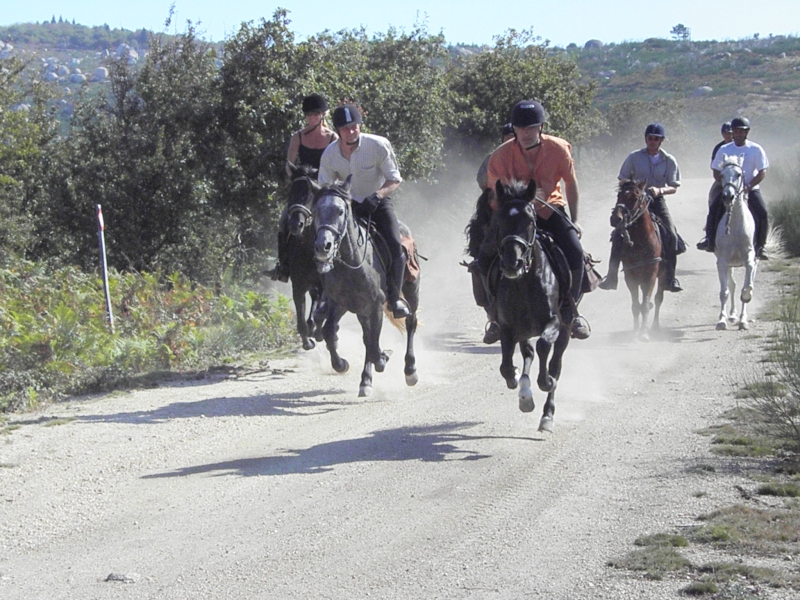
(340, 235)
(300, 208)
(526, 242)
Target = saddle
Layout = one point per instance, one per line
(382, 248)
(664, 235)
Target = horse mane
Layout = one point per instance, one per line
(627, 184)
(515, 190)
(731, 159)
(338, 188)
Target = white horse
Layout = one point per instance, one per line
(734, 244)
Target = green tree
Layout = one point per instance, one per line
(138, 152)
(28, 133)
(488, 84)
(681, 32)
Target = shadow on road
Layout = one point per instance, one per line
(434, 443)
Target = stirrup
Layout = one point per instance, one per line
(400, 309)
(492, 333)
(580, 328)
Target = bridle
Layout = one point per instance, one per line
(526, 242)
(631, 215)
(738, 190)
(340, 234)
(300, 208)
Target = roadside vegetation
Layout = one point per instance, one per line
(182, 143)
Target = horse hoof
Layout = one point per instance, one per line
(546, 384)
(341, 367)
(364, 391)
(526, 404)
(546, 424)
(308, 344)
(744, 325)
(511, 383)
(722, 326)
(412, 379)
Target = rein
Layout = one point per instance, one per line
(738, 192)
(339, 236)
(526, 243)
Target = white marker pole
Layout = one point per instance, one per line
(100, 229)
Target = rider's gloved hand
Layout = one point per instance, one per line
(371, 202)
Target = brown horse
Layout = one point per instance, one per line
(636, 231)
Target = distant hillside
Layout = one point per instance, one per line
(69, 36)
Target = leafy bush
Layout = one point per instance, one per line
(55, 337)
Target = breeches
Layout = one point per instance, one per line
(565, 237)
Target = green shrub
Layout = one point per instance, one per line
(55, 337)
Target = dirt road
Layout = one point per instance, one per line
(282, 483)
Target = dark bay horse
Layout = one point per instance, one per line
(354, 279)
(641, 253)
(299, 251)
(529, 297)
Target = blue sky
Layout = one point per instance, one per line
(461, 21)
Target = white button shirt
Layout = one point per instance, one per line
(371, 164)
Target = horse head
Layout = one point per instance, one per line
(631, 201)
(302, 191)
(731, 178)
(332, 214)
(516, 227)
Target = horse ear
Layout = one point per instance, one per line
(346, 184)
(530, 193)
(641, 184)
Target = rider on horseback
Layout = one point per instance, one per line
(660, 172)
(754, 169)
(371, 161)
(545, 159)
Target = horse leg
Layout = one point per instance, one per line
(659, 299)
(636, 307)
(411, 293)
(723, 272)
(507, 369)
(747, 290)
(299, 297)
(314, 293)
(371, 330)
(549, 409)
(551, 334)
(330, 333)
(731, 295)
(526, 403)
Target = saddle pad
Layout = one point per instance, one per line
(412, 265)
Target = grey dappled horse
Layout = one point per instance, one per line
(354, 279)
(529, 297)
(734, 244)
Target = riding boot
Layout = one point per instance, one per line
(762, 228)
(580, 326)
(281, 270)
(673, 285)
(394, 285)
(611, 280)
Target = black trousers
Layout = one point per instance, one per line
(758, 208)
(386, 223)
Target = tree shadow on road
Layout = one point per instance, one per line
(289, 404)
(430, 444)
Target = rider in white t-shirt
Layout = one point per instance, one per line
(754, 168)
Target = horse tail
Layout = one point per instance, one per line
(775, 244)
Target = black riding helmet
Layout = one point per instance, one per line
(527, 113)
(740, 123)
(726, 127)
(314, 103)
(507, 129)
(346, 114)
(655, 129)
